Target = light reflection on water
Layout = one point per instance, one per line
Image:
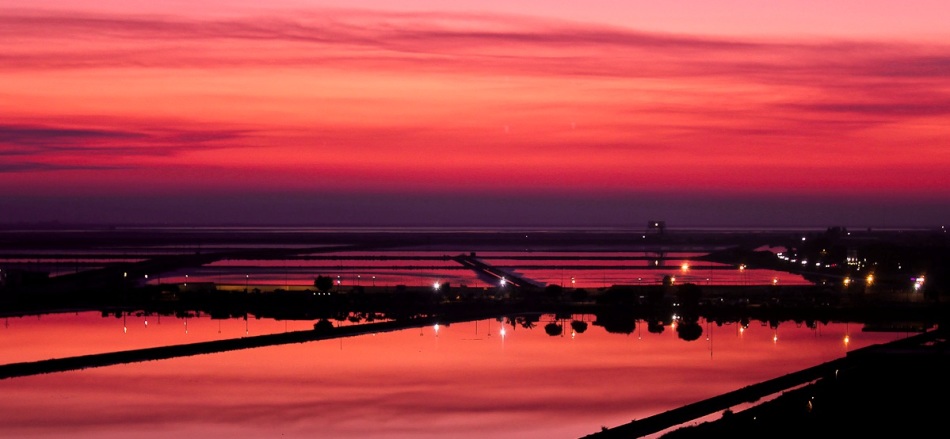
(589, 269)
(458, 380)
(416, 268)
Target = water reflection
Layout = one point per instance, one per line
(574, 269)
(503, 375)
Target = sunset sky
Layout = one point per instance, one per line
(424, 112)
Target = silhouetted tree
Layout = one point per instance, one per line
(688, 294)
(528, 321)
(655, 296)
(323, 283)
(616, 322)
(323, 326)
(689, 330)
(553, 329)
(656, 327)
(579, 295)
(579, 326)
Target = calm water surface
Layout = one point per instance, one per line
(469, 380)
(581, 269)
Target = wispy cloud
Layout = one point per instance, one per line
(27, 166)
(461, 44)
(24, 139)
(494, 41)
(29, 139)
(366, 94)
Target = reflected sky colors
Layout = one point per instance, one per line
(568, 269)
(491, 113)
(462, 380)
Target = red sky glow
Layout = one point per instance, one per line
(473, 108)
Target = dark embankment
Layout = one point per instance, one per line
(165, 352)
(874, 389)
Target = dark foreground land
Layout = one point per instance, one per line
(894, 390)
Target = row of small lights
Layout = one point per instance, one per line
(918, 281)
(787, 258)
